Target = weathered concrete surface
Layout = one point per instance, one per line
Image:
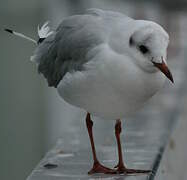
(173, 165)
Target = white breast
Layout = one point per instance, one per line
(111, 87)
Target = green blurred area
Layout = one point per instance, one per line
(21, 116)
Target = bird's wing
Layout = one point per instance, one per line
(66, 49)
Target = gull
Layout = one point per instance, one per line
(106, 63)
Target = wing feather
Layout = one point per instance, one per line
(65, 50)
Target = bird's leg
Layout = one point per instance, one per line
(121, 168)
(97, 166)
(117, 134)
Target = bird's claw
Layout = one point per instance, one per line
(99, 168)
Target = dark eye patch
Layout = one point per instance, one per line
(143, 49)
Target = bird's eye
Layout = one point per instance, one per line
(143, 49)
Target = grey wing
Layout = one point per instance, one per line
(66, 49)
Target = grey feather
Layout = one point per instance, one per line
(66, 49)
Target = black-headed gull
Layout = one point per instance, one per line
(106, 63)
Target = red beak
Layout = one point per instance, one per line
(164, 69)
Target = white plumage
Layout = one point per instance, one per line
(44, 31)
(111, 87)
(117, 79)
(104, 62)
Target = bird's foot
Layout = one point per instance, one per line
(99, 168)
(121, 169)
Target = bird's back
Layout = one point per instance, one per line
(66, 49)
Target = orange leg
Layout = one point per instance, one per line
(120, 168)
(97, 166)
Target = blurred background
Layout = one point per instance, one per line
(32, 116)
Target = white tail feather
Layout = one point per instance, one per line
(25, 37)
(44, 31)
(21, 35)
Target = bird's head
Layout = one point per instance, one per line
(148, 47)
